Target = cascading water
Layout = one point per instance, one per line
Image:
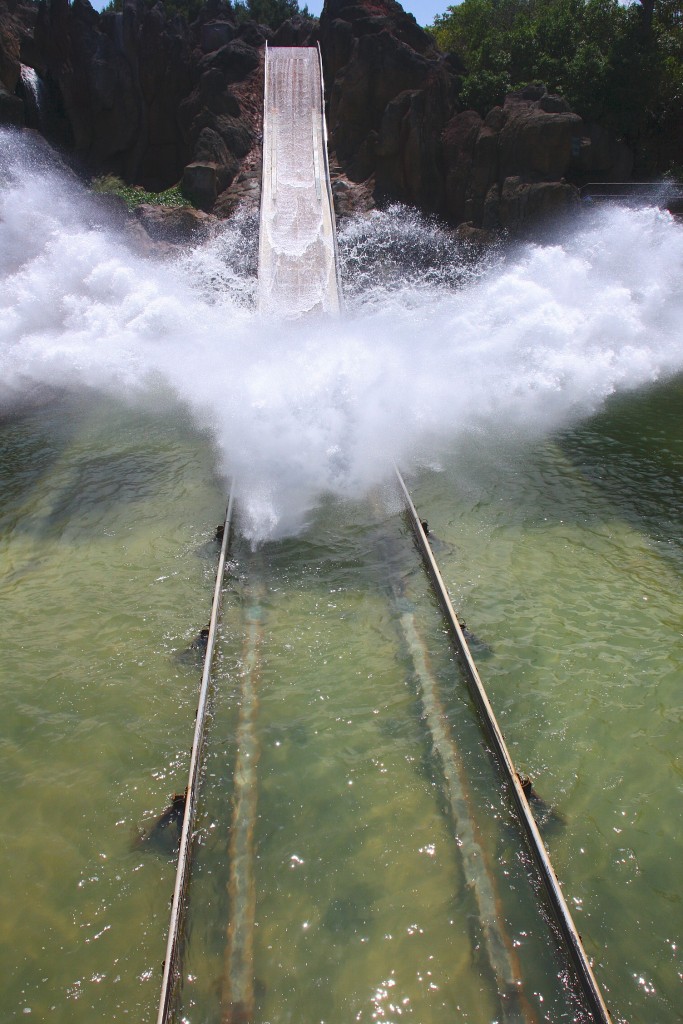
(34, 95)
(567, 567)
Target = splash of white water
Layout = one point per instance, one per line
(525, 343)
(34, 90)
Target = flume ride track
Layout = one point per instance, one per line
(298, 266)
(298, 275)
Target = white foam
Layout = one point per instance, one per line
(524, 345)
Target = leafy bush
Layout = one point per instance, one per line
(484, 89)
(134, 195)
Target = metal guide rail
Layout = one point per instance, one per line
(179, 904)
(667, 194)
(496, 942)
(568, 930)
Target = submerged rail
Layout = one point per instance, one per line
(238, 979)
(178, 905)
(568, 930)
(497, 945)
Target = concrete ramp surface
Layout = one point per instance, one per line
(297, 243)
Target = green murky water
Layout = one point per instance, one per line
(566, 561)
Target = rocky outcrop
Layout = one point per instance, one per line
(221, 117)
(11, 109)
(395, 123)
(390, 93)
(526, 209)
(350, 198)
(17, 22)
(114, 83)
(520, 166)
(142, 95)
(166, 224)
(16, 32)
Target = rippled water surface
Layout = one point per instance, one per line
(533, 400)
(569, 559)
(105, 516)
(565, 559)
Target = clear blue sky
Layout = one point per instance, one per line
(424, 10)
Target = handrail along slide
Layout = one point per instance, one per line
(667, 194)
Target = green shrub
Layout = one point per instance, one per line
(134, 195)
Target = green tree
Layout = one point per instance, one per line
(189, 9)
(265, 12)
(268, 12)
(622, 66)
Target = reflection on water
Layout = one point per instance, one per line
(564, 558)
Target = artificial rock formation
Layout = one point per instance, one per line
(395, 122)
(518, 167)
(114, 83)
(390, 93)
(137, 93)
(155, 101)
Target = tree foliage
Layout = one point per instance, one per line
(266, 12)
(189, 9)
(622, 66)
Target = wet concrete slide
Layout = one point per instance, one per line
(297, 245)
